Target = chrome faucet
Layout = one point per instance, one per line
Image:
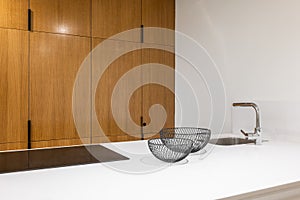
(256, 136)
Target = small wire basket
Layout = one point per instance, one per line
(199, 136)
(170, 150)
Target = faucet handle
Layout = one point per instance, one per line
(244, 133)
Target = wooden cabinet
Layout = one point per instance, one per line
(146, 94)
(39, 68)
(115, 16)
(159, 13)
(13, 14)
(102, 102)
(130, 14)
(156, 93)
(158, 19)
(13, 89)
(54, 63)
(61, 16)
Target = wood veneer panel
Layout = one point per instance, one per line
(13, 14)
(13, 146)
(13, 88)
(115, 16)
(55, 61)
(289, 191)
(155, 93)
(64, 142)
(61, 16)
(151, 135)
(120, 138)
(159, 13)
(104, 89)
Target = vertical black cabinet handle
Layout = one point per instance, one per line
(142, 123)
(29, 134)
(29, 20)
(142, 33)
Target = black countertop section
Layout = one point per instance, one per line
(13, 161)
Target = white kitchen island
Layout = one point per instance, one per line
(225, 171)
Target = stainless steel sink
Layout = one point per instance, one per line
(230, 141)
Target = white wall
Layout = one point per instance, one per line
(256, 45)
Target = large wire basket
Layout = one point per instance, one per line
(199, 136)
(170, 150)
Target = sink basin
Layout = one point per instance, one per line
(230, 141)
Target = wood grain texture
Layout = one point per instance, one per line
(13, 14)
(158, 94)
(55, 143)
(117, 138)
(61, 16)
(105, 87)
(13, 146)
(289, 191)
(159, 13)
(151, 136)
(13, 87)
(55, 61)
(142, 98)
(115, 16)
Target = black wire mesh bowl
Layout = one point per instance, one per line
(199, 136)
(171, 150)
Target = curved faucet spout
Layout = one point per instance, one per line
(257, 130)
(253, 105)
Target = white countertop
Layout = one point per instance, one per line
(225, 171)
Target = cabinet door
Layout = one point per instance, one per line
(61, 16)
(154, 93)
(115, 16)
(54, 63)
(159, 13)
(105, 87)
(13, 14)
(13, 89)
